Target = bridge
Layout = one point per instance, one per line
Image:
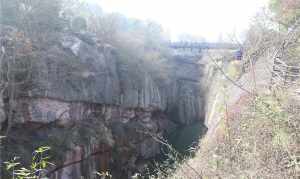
(203, 45)
(193, 50)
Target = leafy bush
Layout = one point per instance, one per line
(37, 168)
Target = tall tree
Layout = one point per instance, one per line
(32, 16)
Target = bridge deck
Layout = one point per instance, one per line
(202, 45)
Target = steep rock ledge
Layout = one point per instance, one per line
(78, 97)
(88, 137)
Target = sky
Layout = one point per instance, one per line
(211, 19)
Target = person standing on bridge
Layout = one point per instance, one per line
(239, 54)
(235, 66)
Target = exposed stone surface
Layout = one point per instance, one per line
(84, 131)
(186, 95)
(74, 67)
(97, 115)
(2, 113)
(75, 70)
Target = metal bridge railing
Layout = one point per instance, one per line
(202, 45)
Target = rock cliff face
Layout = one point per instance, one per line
(186, 97)
(85, 102)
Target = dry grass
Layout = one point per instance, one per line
(259, 139)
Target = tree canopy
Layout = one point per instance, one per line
(286, 11)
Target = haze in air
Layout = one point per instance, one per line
(159, 89)
(212, 19)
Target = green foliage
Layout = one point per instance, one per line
(286, 11)
(79, 24)
(9, 12)
(34, 16)
(170, 163)
(166, 168)
(37, 168)
(274, 5)
(104, 175)
(141, 45)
